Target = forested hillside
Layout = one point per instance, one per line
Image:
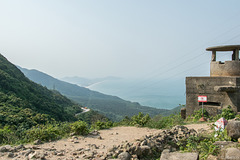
(113, 107)
(24, 103)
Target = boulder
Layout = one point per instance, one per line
(3, 149)
(211, 157)
(230, 154)
(19, 147)
(222, 144)
(11, 155)
(7, 148)
(37, 142)
(94, 133)
(124, 156)
(233, 129)
(37, 155)
(144, 151)
(167, 155)
(27, 152)
(32, 155)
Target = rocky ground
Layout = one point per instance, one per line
(118, 142)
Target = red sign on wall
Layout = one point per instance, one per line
(202, 98)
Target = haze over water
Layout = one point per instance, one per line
(154, 93)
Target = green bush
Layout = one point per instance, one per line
(79, 128)
(198, 114)
(140, 119)
(126, 121)
(43, 132)
(206, 148)
(64, 129)
(160, 122)
(7, 136)
(51, 132)
(47, 132)
(101, 125)
(228, 113)
(204, 144)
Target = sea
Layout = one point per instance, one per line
(162, 94)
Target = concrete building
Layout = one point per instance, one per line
(222, 88)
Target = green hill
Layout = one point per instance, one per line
(113, 107)
(24, 103)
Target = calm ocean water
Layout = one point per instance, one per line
(162, 94)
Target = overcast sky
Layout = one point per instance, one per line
(123, 38)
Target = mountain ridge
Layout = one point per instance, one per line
(113, 107)
(24, 104)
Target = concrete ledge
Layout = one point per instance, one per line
(226, 88)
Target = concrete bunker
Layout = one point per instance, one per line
(222, 88)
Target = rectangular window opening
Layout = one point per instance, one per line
(224, 56)
(210, 103)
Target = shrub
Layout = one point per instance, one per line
(7, 136)
(140, 119)
(43, 133)
(101, 125)
(228, 113)
(160, 122)
(204, 144)
(64, 129)
(124, 122)
(198, 114)
(79, 128)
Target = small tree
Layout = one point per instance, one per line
(140, 119)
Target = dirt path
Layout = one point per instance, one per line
(99, 145)
(205, 126)
(109, 138)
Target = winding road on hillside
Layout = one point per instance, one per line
(84, 111)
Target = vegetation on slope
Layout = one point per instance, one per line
(18, 91)
(29, 111)
(24, 104)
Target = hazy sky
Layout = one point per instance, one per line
(124, 38)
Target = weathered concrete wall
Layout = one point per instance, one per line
(228, 68)
(196, 86)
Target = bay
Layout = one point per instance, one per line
(163, 94)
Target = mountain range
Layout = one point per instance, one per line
(113, 107)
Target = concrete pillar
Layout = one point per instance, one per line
(233, 56)
(213, 55)
(183, 113)
(237, 54)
